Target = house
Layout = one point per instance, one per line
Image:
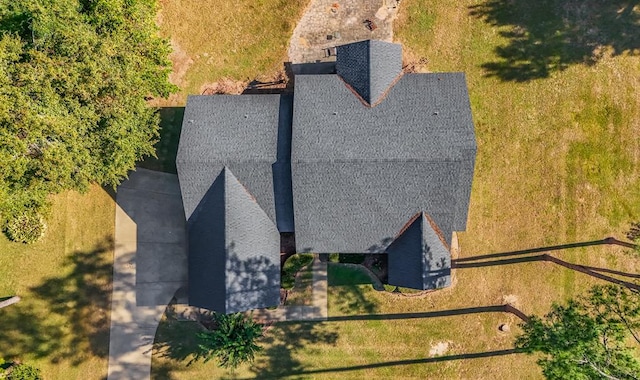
(366, 160)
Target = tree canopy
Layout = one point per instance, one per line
(589, 337)
(74, 75)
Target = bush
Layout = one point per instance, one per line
(232, 341)
(351, 258)
(21, 372)
(26, 228)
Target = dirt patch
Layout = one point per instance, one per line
(439, 349)
(511, 299)
(180, 62)
(224, 86)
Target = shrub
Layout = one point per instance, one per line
(23, 372)
(232, 341)
(26, 228)
(351, 258)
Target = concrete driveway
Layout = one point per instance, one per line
(150, 266)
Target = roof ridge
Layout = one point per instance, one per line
(432, 224)
(408, 224)
(383, 96)
(437, 230)
(229, 175)
(355, 92)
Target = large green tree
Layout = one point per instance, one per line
(74, 76)
(593, 337)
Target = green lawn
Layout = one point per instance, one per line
(61, 325)
(556, 107)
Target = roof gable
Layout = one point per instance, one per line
(234, 255)
(419, 257)
(423, 117)
(369, 67)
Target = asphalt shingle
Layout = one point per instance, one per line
(358, 172)
(419, 258)
(234, 250)
(370, 67)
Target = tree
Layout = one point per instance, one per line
(586, 339)
(232, 340)
(74, 75)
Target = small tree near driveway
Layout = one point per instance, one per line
(232, 340)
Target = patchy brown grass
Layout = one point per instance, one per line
(212, 40)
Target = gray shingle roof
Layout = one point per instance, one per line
(234, 250)
(360, 206)
(247, 133)
(359, 172)
(419, 258)
(370, 67)
(352, 156)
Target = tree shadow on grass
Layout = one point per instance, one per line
(280, 361)
(283, 341)
(348, 287)
(67, 316)
(167, 147)
(551, 35)
(395, 363)
(177, 340)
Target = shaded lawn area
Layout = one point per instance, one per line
(167, 146)
(297, 278)
(343, 275)
(557, 149)
(551, 35)
(358, 347)
(61, 325)
(293, 265)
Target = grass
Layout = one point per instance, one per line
(212, 40)
(291, 268)
(297, 277)
(558, 142)
(61, 325)
(342, 275)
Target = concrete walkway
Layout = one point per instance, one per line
(150, 263)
